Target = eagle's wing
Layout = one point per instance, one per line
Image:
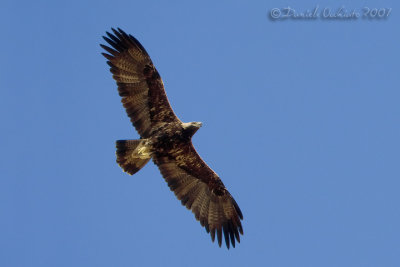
(139, 83)
(201, 190)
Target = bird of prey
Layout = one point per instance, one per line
(166, 140)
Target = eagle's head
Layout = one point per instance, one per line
(190, 128)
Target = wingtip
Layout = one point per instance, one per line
(108, 40)
(115, 31)
(107, 56)
(212, 233)
(121, 31)
(110, 35)
(219, 236)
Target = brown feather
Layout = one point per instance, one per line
(193, 182)
(163, 138)
(129, 62)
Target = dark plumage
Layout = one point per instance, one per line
(166, 140)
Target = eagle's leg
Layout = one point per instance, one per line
(144, 151)
(132, 155)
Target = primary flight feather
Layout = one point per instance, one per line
(167, 140)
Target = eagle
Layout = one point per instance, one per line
(166, 140)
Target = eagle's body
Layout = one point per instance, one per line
(167, 140)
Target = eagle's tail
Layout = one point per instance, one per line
(132, 155)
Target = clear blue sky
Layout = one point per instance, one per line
(301, 121)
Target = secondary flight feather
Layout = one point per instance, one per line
(166, 140)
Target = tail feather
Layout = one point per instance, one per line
(132, 155)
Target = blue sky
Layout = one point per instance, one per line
(301, 121)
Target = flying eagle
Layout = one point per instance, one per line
(167, 140)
